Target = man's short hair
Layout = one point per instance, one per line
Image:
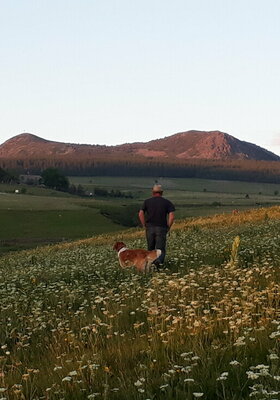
(157, 189)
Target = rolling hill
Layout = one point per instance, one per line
(212, 145)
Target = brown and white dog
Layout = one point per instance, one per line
(139, 258)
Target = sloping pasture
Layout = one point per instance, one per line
(38, 215)
(76, 326)
(32, 220)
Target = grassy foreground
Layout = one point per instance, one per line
(76, 326)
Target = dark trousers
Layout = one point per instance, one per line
(156, 239)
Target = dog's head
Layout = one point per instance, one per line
(118, 246)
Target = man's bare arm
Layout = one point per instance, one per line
(141, 216)
(171, 217)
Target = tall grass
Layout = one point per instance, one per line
(76, 326)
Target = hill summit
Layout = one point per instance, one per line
(212, 145)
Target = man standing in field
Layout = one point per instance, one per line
(157, 216)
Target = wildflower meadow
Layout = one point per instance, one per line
(74, 325)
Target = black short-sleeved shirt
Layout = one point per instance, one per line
(156, 210)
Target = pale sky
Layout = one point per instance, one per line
(116, 71)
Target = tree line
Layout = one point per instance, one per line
(7, 177)
(243, 170)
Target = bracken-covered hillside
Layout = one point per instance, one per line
(213, 145)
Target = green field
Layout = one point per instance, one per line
(75, 326)
(192, 197)
(185, 184)
(40, 216)
(33, 220)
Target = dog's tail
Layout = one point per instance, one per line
(154, 254)
(158, 251)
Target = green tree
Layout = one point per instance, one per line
(7, 177)
(52, 178)
(80, 191)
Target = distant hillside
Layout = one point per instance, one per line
(27, 145)
(213, 145)
(193, 154)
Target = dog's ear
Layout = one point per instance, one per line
(118, 246)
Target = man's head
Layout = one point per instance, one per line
(157, 190)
